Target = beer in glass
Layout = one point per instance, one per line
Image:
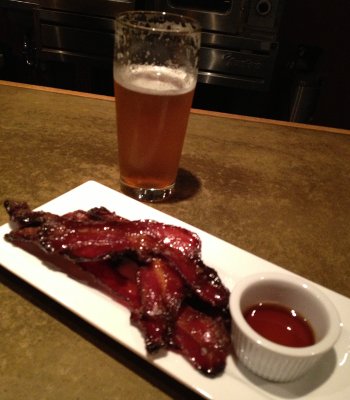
(155, 74)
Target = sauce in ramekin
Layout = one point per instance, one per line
(280, 324)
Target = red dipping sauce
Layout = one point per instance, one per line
(280, 325)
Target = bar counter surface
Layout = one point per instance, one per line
(278, 190)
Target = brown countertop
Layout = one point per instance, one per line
(278, 190)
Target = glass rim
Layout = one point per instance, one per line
(194, 24)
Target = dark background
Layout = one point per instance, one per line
(313, 62)
(323, 27)
(310, 83)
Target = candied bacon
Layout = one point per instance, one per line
(161, 293)
(114, 277)
(23, 215)
(97, 240)
(202, 339)
(84, 240)
(154, 269)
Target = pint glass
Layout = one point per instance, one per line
(155, 74)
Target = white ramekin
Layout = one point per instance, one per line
(265, 358)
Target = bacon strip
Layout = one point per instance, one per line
(161, 293)
(154, 269)
(101, 240)
(119, 277)
(202, 339)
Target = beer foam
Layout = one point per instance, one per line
(154, 79)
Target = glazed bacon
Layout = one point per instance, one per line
(82, 237)
(161, 294)
(154, 269)
(101, 240)
(202, 339)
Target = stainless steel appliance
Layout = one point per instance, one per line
(76, 43)
(69, 44)
(239, 40)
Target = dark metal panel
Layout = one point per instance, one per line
(83, 21)
(230, 42)
(63, 56)
(233, 67)
(211, 18)
(90, 42)
(19, 4)
(232, 81)
(107, 8)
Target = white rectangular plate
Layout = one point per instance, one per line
(328, 380)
